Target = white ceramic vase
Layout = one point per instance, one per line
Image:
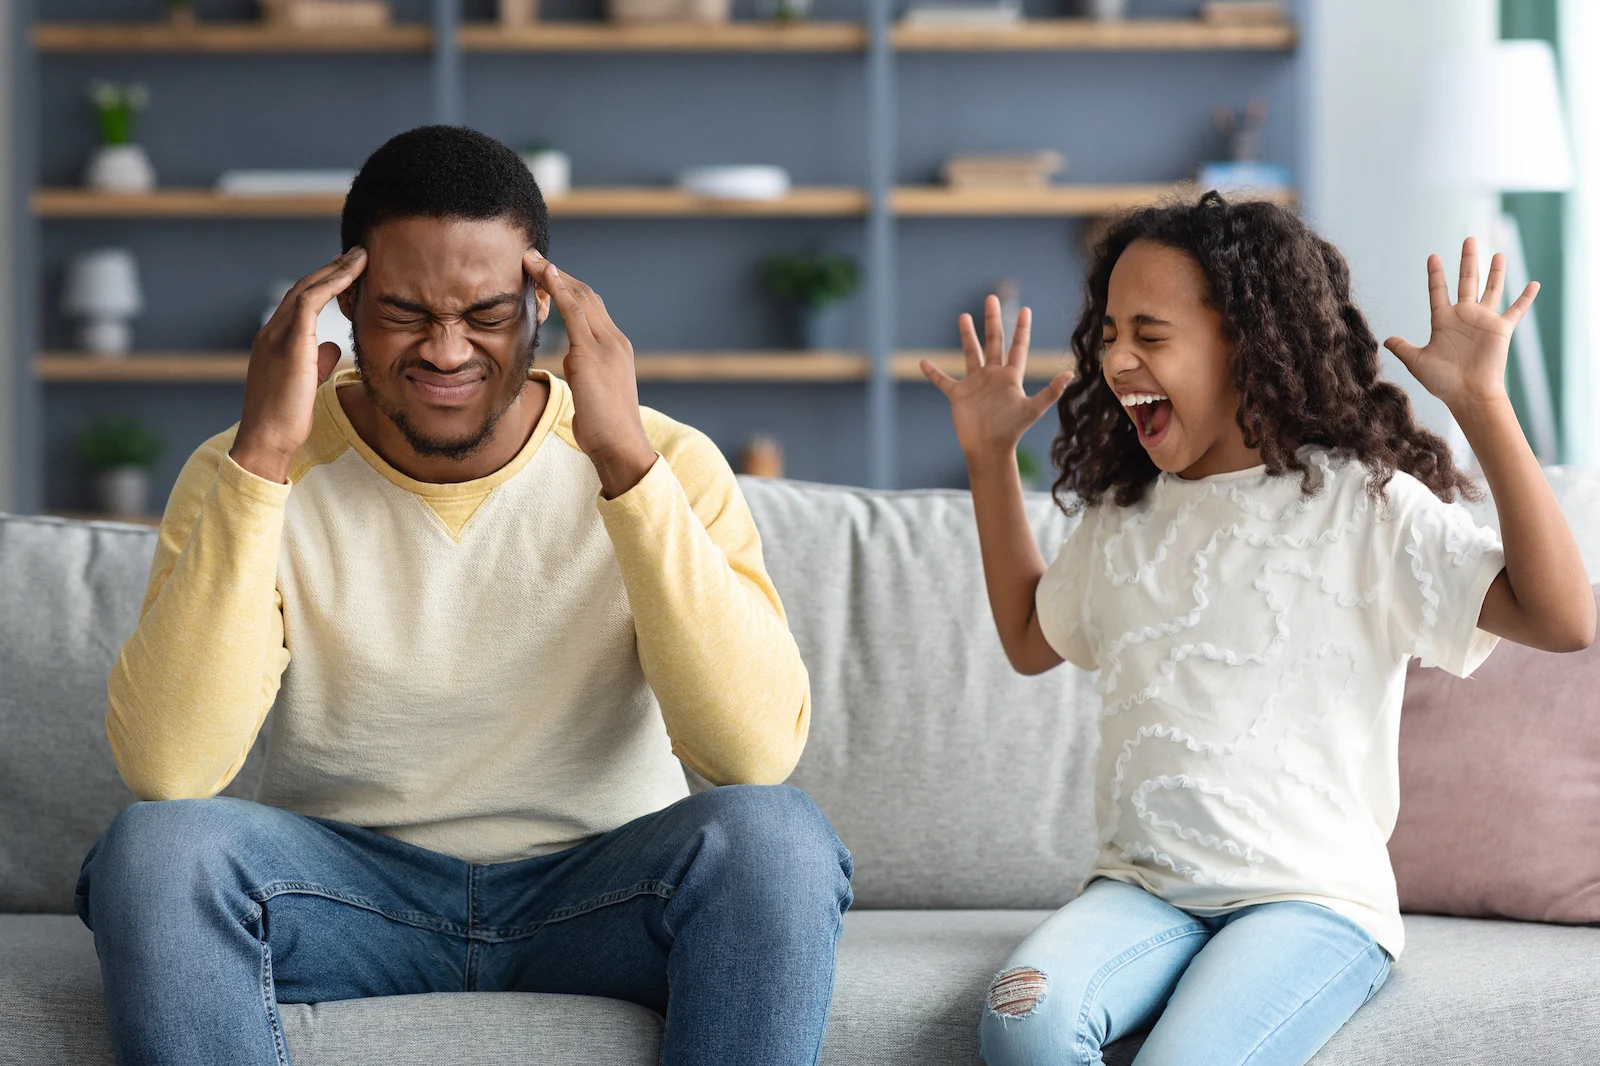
(120, 168)
(123, 491)
(552, 170)
(107, 338)
(1106, 9)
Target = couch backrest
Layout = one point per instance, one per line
(955, 782)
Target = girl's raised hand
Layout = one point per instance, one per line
(990, 408)
(1464, 361)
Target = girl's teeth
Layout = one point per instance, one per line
(1134, 399)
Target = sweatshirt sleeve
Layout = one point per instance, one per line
(712, 636)
(194, 682)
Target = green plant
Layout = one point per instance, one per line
(813, 278)
(1027, 466)
(115, 106)
(110, 442)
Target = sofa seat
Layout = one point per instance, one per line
(907, 994)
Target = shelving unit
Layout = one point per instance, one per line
(878, 203)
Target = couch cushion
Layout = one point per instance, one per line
(69, 596)
(1499, 787)
(954, 781)
(908, 992)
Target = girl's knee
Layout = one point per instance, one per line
(1023, 1025)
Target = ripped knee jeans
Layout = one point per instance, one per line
(1266, 985)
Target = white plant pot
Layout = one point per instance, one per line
(1106, 9)
(123, 491)
(120, 168)
(552, 170)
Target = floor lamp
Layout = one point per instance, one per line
(1493, 122)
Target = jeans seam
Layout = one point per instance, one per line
(833, 971)
(1306, 1002)
(309, 888)
(1109, 969)
(269, 997)
(662, 889)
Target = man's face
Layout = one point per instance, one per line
(445, 324)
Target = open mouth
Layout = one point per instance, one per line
(1151, 413)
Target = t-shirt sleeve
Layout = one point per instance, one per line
(1062, 597)
(1443, 564)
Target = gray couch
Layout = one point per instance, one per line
(961, 788)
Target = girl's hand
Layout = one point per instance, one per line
(990, 408)
(1464, 362)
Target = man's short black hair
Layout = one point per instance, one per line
(444, 172)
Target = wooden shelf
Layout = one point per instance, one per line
(1090, 35)
(175, 367)
(153, 367)
(617, 202)
(907, 366)
(624, 202)
(1050, 200)
(773, 366)
(225, 37)
(1040, 35)
(575, 36)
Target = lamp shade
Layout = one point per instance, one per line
(1492, 121)
(103, 284)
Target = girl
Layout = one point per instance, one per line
(1267, 537)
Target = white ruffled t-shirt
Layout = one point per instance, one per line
(1252, 646)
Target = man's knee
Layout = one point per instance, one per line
(775, 831)
(168, 841)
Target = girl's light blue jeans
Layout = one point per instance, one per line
(1264, 985)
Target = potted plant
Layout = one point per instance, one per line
(551, 169)
(120, 453)
(119, 165)
(813, 285)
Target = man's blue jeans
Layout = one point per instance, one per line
(721, 912)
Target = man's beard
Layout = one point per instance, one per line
(460, 448)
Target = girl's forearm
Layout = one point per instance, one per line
(1012, 564)
(1548, 603)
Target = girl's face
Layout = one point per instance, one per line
(1169, 361)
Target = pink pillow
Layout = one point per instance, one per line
(1500, 788)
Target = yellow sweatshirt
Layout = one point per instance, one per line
(493, 669)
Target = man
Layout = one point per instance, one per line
(489, 612)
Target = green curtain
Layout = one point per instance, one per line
(1540, 215)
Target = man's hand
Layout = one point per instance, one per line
(599, 370)
(1464, 362)
(286, 366)
(990, 408)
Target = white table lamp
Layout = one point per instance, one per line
(1493, 122)
(102, 288)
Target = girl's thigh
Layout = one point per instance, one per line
(1096, 970)
(1269, 989)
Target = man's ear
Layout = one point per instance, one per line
(542, 300)
(347, 301)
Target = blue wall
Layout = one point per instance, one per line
(627, 119)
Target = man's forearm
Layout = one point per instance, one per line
(711, 635)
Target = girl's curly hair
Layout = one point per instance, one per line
(1305, 361)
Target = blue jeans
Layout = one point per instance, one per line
(1265, 985)
(209, 913)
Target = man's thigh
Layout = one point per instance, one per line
(344, 912)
